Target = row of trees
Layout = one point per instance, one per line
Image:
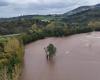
(54, 29)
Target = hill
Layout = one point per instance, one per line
(79, 17)
(83, 15)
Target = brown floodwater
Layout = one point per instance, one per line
(77, 58)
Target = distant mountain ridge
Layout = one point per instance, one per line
(77, 10)
(51, 17)
(83, 14)
(81, 9)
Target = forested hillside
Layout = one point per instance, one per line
(78, 18)
(83, 16)
(18, 26)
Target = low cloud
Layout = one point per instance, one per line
(2, 3)
(32, 6)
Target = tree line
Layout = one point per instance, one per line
(55, 29)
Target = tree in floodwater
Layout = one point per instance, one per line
(50, 51)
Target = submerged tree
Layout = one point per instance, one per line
(50, 51)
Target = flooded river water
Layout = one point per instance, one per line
(77, 58)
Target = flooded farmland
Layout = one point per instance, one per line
(77, 58)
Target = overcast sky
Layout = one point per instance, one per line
(10, 8)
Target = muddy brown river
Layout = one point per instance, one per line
(77, 58)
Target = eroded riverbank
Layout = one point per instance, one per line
(77, 58)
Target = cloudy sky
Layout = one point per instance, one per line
(10, 8)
